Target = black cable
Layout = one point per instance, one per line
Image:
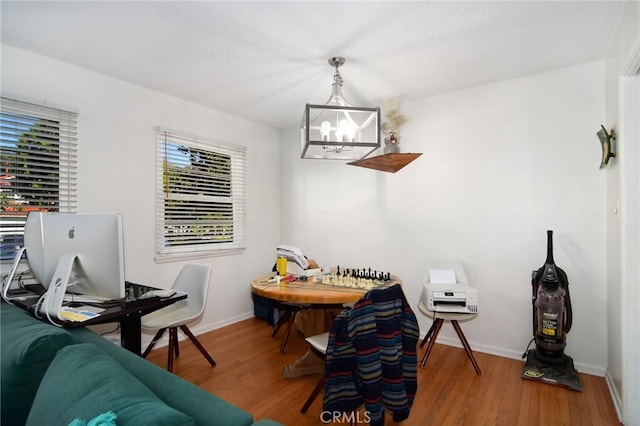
(112, 331)
(20, 281)
(524, 355)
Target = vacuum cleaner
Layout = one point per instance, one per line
(552, 320)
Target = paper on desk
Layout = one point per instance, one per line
(442, 276)
(76, 315)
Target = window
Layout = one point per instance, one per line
(200, 209)
(39, 161)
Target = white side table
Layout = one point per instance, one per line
(438, 319)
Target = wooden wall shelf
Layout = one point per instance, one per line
(388, 162)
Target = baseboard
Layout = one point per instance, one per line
(511, 354)
(200, 329)
(205, 328)
(615, 396)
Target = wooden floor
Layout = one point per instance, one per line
(249, 375)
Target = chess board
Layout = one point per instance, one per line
(348, 281)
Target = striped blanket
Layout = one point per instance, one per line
(371, 357)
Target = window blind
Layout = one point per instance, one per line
(38, 147)
(200, 196)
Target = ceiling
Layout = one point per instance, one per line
(265, 60)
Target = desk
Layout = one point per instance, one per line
(311, 321)
(127, 314)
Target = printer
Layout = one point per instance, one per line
(446, 290)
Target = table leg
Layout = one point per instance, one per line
(467, 348)
(130, 334)
(173, 343)
(310, 322)
(309, 363)
(429, 334)
(438, 325)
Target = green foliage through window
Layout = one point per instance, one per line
(202, 190)
(38, 166)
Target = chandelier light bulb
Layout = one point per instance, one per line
(325, 130)
(344, 131)
(351, 133)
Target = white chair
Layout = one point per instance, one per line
(194, 280)
(318, 344)
(440, 317)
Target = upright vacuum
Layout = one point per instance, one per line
(552, 320)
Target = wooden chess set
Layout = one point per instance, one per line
(365, 279)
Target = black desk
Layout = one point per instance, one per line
(127, 314)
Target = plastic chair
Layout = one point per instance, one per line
(194, 280)
(318, 344)
(440, 317)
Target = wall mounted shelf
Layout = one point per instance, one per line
(387, 162)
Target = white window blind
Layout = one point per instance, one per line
(39, 165)
(200, 198)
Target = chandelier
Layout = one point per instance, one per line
(337, 130)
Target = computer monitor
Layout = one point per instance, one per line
(88, 245)
(34, 245)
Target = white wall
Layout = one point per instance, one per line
(623, 235)
(117, 169)
(501, 164)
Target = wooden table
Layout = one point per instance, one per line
(327, 301)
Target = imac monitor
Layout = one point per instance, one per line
(34, 244)
(94, 242)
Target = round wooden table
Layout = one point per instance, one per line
(310, 292)
(326, 299)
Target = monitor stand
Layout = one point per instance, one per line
(6, 285)
(54, 297)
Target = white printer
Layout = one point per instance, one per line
(446, 289)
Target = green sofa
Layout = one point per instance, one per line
(56, 376)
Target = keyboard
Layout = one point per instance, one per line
(137, 290)
(163, 294)
(138, 293)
